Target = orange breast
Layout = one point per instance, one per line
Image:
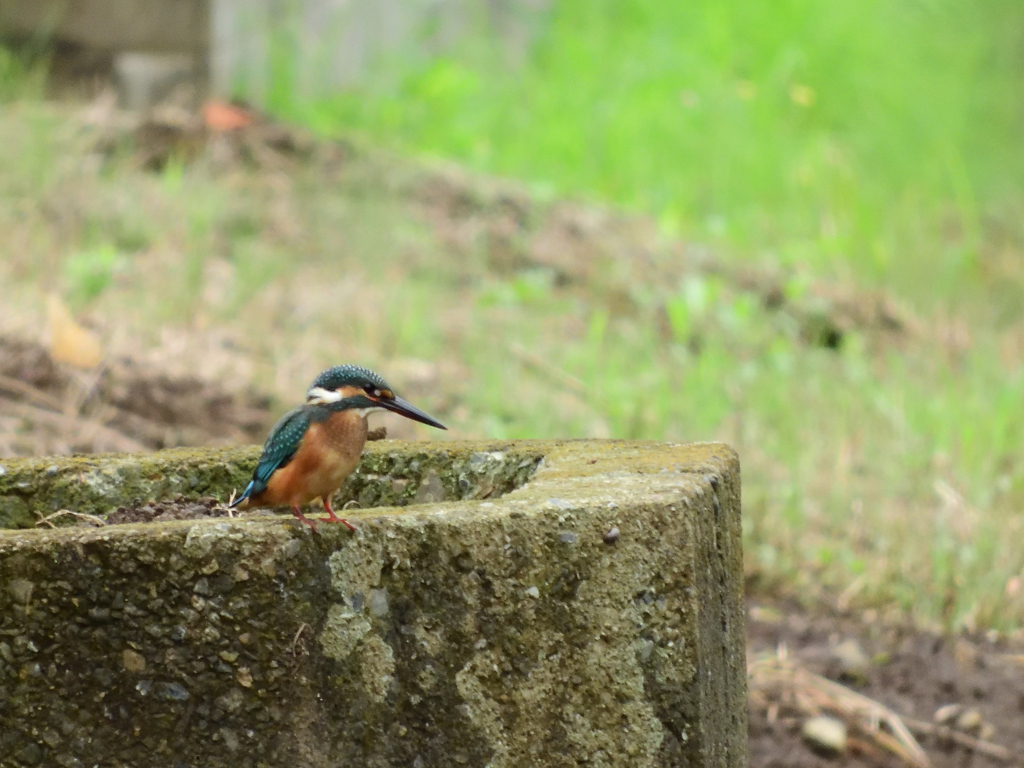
(329, 453)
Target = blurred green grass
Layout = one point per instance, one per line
(22, 75)
(865, 144)
(867, 138)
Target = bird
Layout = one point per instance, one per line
(312, 449)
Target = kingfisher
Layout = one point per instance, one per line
(312, 449)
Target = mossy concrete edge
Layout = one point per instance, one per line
(415, 471)
(100, 483)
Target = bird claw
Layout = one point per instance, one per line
(342, 520)
(302, 518)
(333, 518)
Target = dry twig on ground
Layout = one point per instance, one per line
(779, 682)
(48, 520)
(16, 386)
(981, 746)
(73, 425)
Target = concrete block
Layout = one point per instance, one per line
(144, 79)
(504, 625)
(335, 44)
(112, 25)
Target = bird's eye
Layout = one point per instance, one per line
(373, 391)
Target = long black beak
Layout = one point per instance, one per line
(410, 411)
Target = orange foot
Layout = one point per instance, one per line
(303, 518)
(333, 518)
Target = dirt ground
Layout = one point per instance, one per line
(974, 684)
(122, 405)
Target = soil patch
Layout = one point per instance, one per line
(47, 408)
(161, 511)
(176, 509)
(974, 685)
(179, 509)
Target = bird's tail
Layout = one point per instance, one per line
(245, 495)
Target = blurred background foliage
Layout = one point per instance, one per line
(871, 138)
(794, 226)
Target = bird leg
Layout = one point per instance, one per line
(298, 513)
(334, 518)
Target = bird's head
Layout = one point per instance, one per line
(360, 389)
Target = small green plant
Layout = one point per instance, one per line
(20, 78)
(89, 273)
(532, 287)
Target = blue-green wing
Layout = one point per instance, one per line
(281, 446)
